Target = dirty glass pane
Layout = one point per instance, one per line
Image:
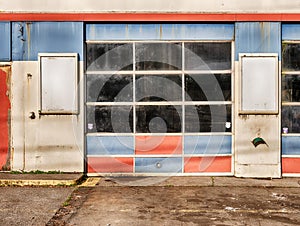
(158, 119)
(198, 118)
(290, 57)
(158, 56)
(109, 88)
(207, 56)
(109, 57)
(291, 118)
(290, 88)
(208, 87)
(109, 119)
(158, 88)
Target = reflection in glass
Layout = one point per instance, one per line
(158, 56)
(109, 119)
(291, 88)
(198, 118)
(109, 88)
(207, 56)
(291, 118)
(158, 119)
(208, 87)
(109, 57)
(158, 88)
(290, 57)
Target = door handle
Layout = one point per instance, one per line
(32, 115)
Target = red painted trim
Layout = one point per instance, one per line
(207, 164)
(290, 165)
(5, 106)
(110, 165)
(160, 17)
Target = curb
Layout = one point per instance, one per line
(41, 182)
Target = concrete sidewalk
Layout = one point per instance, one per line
(39, 179)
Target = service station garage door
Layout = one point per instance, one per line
(159, 99)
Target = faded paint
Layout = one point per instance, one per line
(97, 32)
(48, 142)
(5, 72)
(257, 37)
(5, 43)
(31, 38)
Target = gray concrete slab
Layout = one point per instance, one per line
(31, 205)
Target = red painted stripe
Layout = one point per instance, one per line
(149, 145)
(5, 106)
(159, 17)
(290, 165)
(207, 165)
(110, 165)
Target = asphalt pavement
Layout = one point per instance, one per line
(149, 201)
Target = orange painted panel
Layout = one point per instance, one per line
(4, 108)
(159, 145)
(207, 164)
(290, 165)
(110, 165)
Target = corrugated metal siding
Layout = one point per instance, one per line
(258, 37)
(29, 39)
(98, 32)
(5, 41)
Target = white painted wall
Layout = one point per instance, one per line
(229, 6)
(53, 142)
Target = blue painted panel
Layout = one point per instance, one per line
(291, 145)
(258, 37)
(98, 32)
(29, 39)
(5, 41)
(158, 165)
(207, 145)
(122, 145)
(290, 32)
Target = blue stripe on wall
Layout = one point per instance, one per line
(122, 145)
(290, 145)
(158, 165)
(31, 38)
(290, 32)
(98, 32)
(207, 145)
(5, 41)
(258, 37)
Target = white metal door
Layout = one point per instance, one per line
(257, 130)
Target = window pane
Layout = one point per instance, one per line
(158, 119)
(158, 88)
(208, 118)
(109, 57)
(291, 88)
(109, 88)
(291, 118)
(117, 119)
(207, 56)
(208, 87)
(158, 56)
(290, 57)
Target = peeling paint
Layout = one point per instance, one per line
(5, 72)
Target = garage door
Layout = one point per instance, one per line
(159, 99)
